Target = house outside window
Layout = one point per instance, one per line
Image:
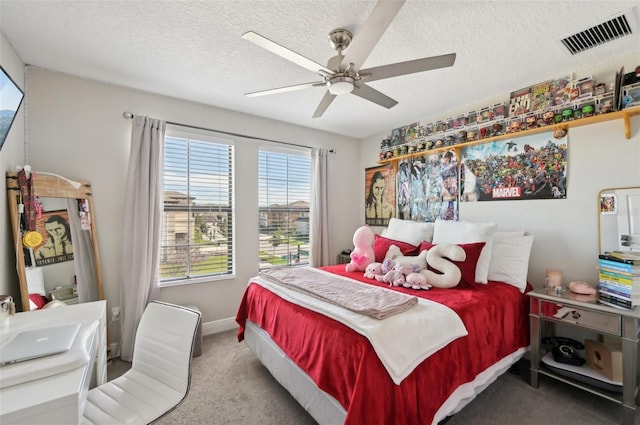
(283, 205)
(197, 229)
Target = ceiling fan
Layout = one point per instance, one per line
(343, 74)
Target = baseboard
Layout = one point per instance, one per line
(217, 326)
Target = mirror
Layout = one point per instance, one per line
(619, 219)
(55, 239)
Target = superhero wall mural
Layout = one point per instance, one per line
(530, 167)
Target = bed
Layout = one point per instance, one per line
(335, 373)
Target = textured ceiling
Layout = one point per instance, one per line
(192, 50)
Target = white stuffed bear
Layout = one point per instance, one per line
(396, 255)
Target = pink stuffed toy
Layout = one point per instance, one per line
(373, 270)
(363, 254)
(417, 281)
(397, 275)
(394, 277)
(387, 265)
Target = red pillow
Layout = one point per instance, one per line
(39, 300)
(381, 246)
(468, 266)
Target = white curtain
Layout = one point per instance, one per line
(141, 229)
(83, 259)
(320, 239)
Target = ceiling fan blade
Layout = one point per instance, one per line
(408, 67)
(285, 89)
(324, 104)
(285, 53)
(375, 25)
(372, 95)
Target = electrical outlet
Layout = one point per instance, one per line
(115, 313)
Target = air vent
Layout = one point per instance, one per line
(597, 35)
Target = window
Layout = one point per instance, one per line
(284, 188)
(197, 225)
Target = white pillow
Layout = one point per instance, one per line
(409, 231)
(457, 232)
(396, 255)
(510, 260)
(501, 235)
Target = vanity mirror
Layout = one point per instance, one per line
(619, 219)
(55, 239)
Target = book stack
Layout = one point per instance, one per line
(619, 279)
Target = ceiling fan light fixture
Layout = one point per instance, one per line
(340, 85)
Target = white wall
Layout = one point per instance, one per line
(76, 128)
(12, 154)
(565, 231)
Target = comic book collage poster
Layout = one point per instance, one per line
(529, 167)
(428, 187)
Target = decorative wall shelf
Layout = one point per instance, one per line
(625, 115)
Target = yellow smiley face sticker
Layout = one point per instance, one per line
(32, 239)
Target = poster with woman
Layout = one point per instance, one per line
(380, 195)
(529, 167)
(56, 244)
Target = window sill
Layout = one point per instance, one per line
(195, 280)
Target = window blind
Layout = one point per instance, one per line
(197, 233)
(284, 194)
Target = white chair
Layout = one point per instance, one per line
(160, 373)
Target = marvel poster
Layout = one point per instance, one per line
(428, 187)
(530, 167)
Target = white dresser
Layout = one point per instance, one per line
(60, 398)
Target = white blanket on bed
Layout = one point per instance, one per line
(401, 341)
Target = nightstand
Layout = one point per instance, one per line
(603, 320)
(343, 258)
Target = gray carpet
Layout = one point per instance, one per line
(230, 386)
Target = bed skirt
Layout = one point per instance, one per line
(320, 405)
(324, 408)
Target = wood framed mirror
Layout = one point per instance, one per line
(58, 257)
(619, 219)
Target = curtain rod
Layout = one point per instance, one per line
(129, 115)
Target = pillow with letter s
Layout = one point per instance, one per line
(468, 265)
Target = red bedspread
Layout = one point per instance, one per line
(342, 362)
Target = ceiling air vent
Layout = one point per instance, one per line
(597, 35)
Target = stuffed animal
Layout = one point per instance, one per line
(387, 265)
(397, 275)
(394, 277)
(373, 270)
(417, 281)
(396, 255)
(363, 254)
